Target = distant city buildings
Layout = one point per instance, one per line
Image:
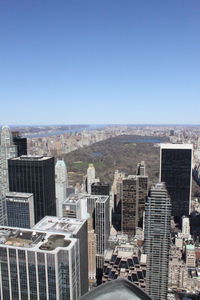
(157, 241)
(20, 210)
(176, 172)
(36, 175)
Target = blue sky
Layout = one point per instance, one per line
(99, 61)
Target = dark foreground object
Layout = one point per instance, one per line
(119, 289)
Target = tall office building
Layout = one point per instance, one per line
(134, 193)
(61, 185)
(157, 241)
(7, 150)
(102, 230)
(20, 210)
(75, 228)
(20, 143)
(176, 172)
(36, 264)
(36, 175)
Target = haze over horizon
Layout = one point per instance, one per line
(100, 62)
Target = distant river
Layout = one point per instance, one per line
(59, 132)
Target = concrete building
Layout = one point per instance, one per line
(176, 172)
(190, 256)
(36, 175)
(39, 265)
(125, 261)
(134, 193)
(157, 241)
(7, 150)
(61, 186)
(20, 210)
(74, 228)
(72, 207)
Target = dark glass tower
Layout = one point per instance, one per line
(20, 142)
(176, 172)
(35, 174)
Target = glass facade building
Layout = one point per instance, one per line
(157, 241)
(176, 172)
(37, 265)
(36, 175)
(20, 210)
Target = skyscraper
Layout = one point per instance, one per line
(7, 150)
(134, 193)
(36, 264)
(75, 228)
(61, 185)
(35, 174)
(20, 210)
(157, 241)
(176, 172)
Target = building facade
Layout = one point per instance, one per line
(38, 265)
(134, 193)
(74, 228)
(61, 185)
(20, 210)
(157, 241)
(7, 150)
(176, 172)
(36, 175)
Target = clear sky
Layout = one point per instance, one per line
(99, 61)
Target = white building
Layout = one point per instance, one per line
(91, 177)
(39, 265)
(61, 185)
(7, 150)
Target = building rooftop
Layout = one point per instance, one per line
(32, 157)
(176, 146)
(190, 247)
(38, 240)
(55, 224)
(18, 195)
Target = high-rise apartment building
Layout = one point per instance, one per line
(61, 185)
(176, 172)
(157, 241)
(36, 175)
(20, 210)
(7, 150)
(134, 193)
(36, 265)
(75, 228)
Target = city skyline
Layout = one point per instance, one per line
(97, 62)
